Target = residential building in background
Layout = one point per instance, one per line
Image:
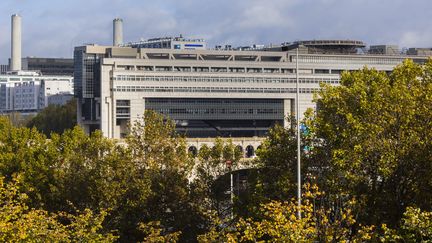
(29, 92)
(4, 68)
(49, 66)
(57, 90)
(29, 82)
(60, 99)
(45, 66)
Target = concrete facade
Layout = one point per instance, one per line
(209, 93)
(29, 92)
(15, 64)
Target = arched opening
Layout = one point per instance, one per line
(250, 151)
(259, 147)
(193, 151)
(239, 149)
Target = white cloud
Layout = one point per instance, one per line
(416, 39)
(52, 27)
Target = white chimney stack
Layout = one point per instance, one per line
(15, 64)
(117, 32)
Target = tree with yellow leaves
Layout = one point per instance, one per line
(19, 223)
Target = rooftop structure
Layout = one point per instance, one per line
(420, 51)
(117, 32)
(15, 64)
(49, 66)
(326, 46)
(384, 50)
(178, 43)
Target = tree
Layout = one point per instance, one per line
(19, 119)
(416, 226)
(55, 118)
(162, 156)
(274, 173)
(19, 223)
(375, 134)
(27, 152)
(211, 178)
(145, 180)
(278, 222)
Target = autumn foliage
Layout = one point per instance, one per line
(366, 171)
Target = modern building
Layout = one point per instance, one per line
(209, 93)
(60, 99)
(29, 92)
(420, 51)
(55, 90)
(49, 66)
(385, 50)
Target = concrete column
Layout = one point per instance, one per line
(117, 32)
(137, 108)
(15, 64)
(107, 116)
(289, 110)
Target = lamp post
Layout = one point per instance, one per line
(298, 136)
(229, 165)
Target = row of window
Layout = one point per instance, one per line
(219, 111)
(222, 79)
(205, 69)
(349, 60)
(210, 89)
(207, 101)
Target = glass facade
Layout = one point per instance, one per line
(220, 117)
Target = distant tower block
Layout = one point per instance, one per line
(16, 43)
(117, 32)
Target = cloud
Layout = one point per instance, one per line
(52, 27)
(417, 39)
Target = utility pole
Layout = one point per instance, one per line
(298, 136)
(229, 165)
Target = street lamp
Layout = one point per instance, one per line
(298, 135)
(229, 165)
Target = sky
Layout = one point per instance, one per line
(51, 28)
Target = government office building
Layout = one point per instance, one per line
(221, 92)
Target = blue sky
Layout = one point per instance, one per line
(51, 28)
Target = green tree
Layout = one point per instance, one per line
(211, 178)
(274, 173)
(375, 134)
(28, 153)
(278, 222)
(18, 119)
(416, 226)
(162, 154)
(55, 118)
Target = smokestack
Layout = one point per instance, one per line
(117, 32)
(16, 43)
